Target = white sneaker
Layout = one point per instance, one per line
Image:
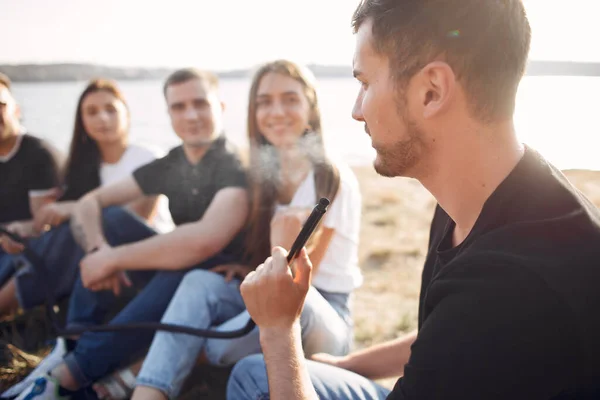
(52, 360)
(43, 388)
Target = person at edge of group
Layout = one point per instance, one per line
(205, 183)
(509, 298)
(289, 171)
(30, 171)
(99, 155)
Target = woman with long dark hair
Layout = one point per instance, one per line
(99, 154)
(289, 172)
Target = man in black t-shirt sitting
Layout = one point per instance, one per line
(206, 186)
(509, 305)
(29, 177)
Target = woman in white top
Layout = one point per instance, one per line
(100, 153)
(289, 171)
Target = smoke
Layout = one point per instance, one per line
(267, 166)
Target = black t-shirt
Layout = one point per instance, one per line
(514, 311)
(33, 167)
(191, 188)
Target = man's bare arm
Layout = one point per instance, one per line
(38, 200)
(189, 243)
(145, 207)
(385, 360)
(86, 221)
(286, 369)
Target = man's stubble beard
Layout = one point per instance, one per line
(401, 157)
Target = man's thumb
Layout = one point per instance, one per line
(303, 269)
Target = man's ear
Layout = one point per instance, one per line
(438, 88)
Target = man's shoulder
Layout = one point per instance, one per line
(144, 151)
(226, 150)
(34, 143)
(172, 157)
(33, 146)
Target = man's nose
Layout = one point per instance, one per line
(191, 113)
(357, 109)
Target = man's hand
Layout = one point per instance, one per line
(99, 268)
(286, 225)
(336, 361)
(52, 214)
(23, 229)
(232, 270)
(273, 297)
(113, 283)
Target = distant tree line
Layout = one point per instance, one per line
(83, 72)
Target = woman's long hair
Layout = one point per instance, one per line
(82, 171)
(264, 185)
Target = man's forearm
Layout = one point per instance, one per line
(86, 224)
(385, 360)
(286, 368)
(182, 248)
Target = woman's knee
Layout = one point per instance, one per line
(115, 214)
(200, 278)
(248, 379)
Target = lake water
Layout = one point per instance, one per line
(559, 116)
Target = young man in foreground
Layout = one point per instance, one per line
(509, 299)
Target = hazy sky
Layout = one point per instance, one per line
(229, 34)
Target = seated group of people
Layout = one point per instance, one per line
(99, 226)
(509, 293)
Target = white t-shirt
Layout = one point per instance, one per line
(339, 271)
(135, 156)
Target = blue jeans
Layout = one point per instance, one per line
(61, 256)
(7, 267)
(202, 300)
(248, 380)
(99, 353)
(326, 328)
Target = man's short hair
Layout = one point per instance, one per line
(5, 80)
(187, 74)
(485, 42)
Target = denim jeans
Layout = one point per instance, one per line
(325, 322)
(248, 381)
(100, 353)
(202, 300)
(61, 256)
(206, 301)
(7, 267)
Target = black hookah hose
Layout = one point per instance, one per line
(39, 267)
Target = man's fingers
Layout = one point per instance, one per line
(326, 359)
(279, 263)
(303, 269)
(116, 286)
(11, 247)
(125, 279)
(219, 268)
(230, 274)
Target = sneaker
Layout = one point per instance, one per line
(52, 360)
(43, 388)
